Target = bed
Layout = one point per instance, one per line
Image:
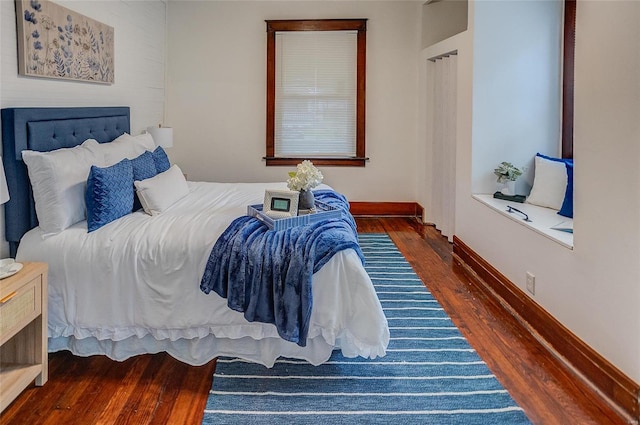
(132, 286)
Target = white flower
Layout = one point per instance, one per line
(507, 172)
(306, 177)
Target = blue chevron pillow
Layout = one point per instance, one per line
(109, 194)
(144, 167)
(161, 160)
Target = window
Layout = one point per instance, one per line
(316, 92)
(569, 45)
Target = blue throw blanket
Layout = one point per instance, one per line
(267, 274)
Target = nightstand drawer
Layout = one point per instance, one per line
(19, 308)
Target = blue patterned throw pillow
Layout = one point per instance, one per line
(144, 167)
(109, 194)
(161, 159)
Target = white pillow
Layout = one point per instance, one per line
(146, 141)
(59, 180)
(160, 192)
(549, 183)
(125, 146)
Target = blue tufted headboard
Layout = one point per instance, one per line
(47, 129)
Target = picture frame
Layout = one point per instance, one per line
(56, 42)
(280, 203)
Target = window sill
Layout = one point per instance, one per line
(542, 219)
(340, 162)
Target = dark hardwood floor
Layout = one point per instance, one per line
(156, 389)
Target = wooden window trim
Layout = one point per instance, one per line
(359, 25)
(569, 46)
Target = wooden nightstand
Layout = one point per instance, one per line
(23, 331)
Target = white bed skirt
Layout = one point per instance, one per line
(199, 351)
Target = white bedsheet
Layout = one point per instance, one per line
(133, 287)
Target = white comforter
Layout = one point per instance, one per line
(133, 287)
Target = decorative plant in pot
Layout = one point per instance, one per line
(305, 178)
(507, 174)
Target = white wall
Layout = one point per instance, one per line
(593, 290)
(443, 19)
(516, 87)
(139, 30)
(216, 86)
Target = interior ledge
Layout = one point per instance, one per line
(542, 219)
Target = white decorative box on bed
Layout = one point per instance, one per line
(132, 284)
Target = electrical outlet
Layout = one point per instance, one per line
(531, 283)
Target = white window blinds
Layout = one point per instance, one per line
(315, 93)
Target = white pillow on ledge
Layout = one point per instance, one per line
(160, 192)
(549, 184)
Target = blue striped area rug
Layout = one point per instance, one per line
(430, 374)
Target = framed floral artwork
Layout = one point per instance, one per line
(55, 42)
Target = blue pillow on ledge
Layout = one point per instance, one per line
(109, 194)
(567, 204)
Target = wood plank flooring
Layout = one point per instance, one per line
(157, 389)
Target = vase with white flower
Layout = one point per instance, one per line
(305, 178)
(507, 174)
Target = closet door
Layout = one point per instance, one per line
(442, 99)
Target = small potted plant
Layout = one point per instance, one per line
(507, 174)
(305, 178)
